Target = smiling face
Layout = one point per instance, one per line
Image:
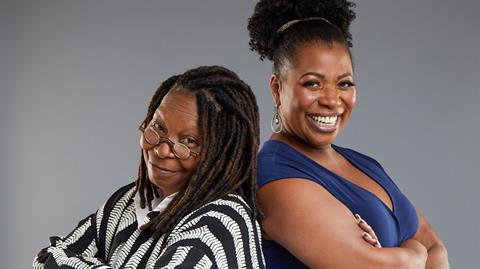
(176, 118)
(316, 94)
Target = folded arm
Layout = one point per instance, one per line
(320, 231)
(76, 250)
(437, 252)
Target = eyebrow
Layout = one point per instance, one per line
(323, 76)
(159, 120)
(191, 132)
(313, 74)
(156, 116)
(347, 74)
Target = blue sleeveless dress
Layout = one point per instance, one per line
(277, 160)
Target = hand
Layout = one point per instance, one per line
(418, 251)
(368, 233)
(101, 259)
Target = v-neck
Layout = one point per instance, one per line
(355, 164)
(372, 177)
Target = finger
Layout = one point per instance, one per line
(367, 237)
(372, 241)
(367, 228)
(360, 220)
(369, 234)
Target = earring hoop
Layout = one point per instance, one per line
(276, 124)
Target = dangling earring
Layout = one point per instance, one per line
(276, 123)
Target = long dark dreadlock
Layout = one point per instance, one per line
(229, 124)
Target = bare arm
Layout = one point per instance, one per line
(320, 231)
(437, 252)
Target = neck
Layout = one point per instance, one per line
(315, 152)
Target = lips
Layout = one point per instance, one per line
(326, 119)
(325, 123)
(161, 169)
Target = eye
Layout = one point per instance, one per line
(190, 141)
(311, 84)
(346, 84)
(159, 127)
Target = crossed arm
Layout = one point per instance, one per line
(76, 250)
(437, 252)
(79, 250)
(213, 237)
(321, 232)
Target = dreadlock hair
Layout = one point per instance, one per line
(280, 46)
(227, 163)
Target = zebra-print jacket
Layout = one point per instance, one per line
(220, 234)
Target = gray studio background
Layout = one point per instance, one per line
(76, 77)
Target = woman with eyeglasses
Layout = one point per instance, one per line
(193, 203)
(309, 188)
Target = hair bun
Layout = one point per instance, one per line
(269, 15)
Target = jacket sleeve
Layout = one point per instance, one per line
(88, 244)
(76, 250)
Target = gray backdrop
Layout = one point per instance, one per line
(76, 77)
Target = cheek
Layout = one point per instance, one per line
(305, 100)
(350, 98)
(189, 166)
(145, 156)
(142, 143)
(297, 101)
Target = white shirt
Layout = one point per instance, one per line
(158, 204)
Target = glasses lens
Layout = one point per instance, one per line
(182, 151)
(151, 136)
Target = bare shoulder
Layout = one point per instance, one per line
(298, 200)
(306, 219)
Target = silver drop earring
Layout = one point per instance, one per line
(276, 123)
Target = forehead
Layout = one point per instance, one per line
(179, 107)
(323, 58)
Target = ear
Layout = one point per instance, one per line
(275, 88)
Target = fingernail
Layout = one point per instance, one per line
(357, 216)
(367, 235)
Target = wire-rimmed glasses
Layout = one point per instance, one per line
(180, 150)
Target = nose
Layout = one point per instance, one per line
(329, 97)
(164, 150)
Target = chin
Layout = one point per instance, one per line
(324, 139)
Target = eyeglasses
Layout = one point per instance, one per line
(181, 151)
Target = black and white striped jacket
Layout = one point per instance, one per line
(220, 234)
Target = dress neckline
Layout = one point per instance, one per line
(340, 151)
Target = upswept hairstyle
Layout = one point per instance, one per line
(279, 46)
(227, 164)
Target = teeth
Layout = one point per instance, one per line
(325, 120)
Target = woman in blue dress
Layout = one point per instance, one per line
(310, 189)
